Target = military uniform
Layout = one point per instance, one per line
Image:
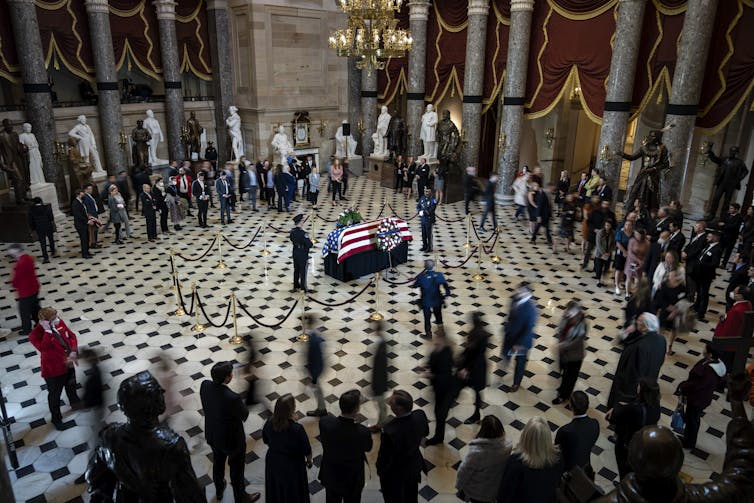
(301, 245)
(426, 209)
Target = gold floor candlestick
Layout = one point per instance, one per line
(198, 327)
(220, 264)
(495, 259)
(376, 316)
(303, 336)
(236, 339)
(478, 276)
(467, 244)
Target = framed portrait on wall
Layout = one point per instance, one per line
(301, 134)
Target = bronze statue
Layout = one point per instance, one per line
(79, 170)
(657, 456)
(194, 134)
(140, 148)
(728, 178)
(140, 460)
(396, 135)
(448, 144)
(654, 162)
(12, 161)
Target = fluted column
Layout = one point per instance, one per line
(513, 96)
(108, 93)
(417, 65)
(368, 108)
(23, 15)
(354, 103)
(620, 86)
(473, 78)
(685, 91)
(171, 73)
(222, 74)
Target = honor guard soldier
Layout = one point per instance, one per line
(301, 245)
(426, 208)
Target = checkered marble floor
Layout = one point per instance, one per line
(121, 303)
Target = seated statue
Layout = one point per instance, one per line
(141, 461)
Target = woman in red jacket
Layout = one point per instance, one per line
(58, 349)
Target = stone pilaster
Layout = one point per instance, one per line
(171, 73)
(108, 93)
(39, 113)
(417, 65)
(368, 108)
(354, 104)
(513, 95)
(620, 85)
(685, 91)
(222, 74)
(473, 78)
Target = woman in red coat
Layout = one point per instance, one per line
(58, 349)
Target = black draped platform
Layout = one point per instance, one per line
(364, 263)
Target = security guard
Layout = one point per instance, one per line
(429, 283)
(426, 209)
(301, 245)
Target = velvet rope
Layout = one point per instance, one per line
(259, 322)
(209, 320)
(472, 253)
(240, 247)
(338, 304)
(209, 249)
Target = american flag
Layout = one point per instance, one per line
(357, 238)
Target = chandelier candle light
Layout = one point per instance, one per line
(371, 34)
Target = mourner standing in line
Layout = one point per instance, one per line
(301, 245)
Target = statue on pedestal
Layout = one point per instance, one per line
(233, 123)
(728, 179)
(345, 146)
(194, 135)
(140, 148)
(155, 131)
(427, 136)
(396, 135)
(140, 460)
(12, 161)
(86, 143)
(281, 144)
(380, 144)
(33, 157)
(654, 162)
(79, 169)
(448, 143)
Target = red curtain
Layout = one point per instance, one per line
(193, 37)
(135, 26)
(67, 29)
(496, 50)
(8, 58)
(446, 47)
(391, 82)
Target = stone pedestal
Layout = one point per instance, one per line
(375, 168)
(49, 195)
(356, 165)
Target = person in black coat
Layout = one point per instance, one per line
(472, 365)
(149, 211)
(440, 374)
(139, 179)
(224, 414)
(422, 177)
(655, 255)
(161, 203)
(380, 375)
(42, 222)
(470, 187)
(577, 438)
(315, 364)
(604, 191)
(123, 188)
(81, 222)
(676, 239)
(705, 272)
(542, 213)
(691, 253)
(344, 447)
(489, 203)
(730, 226)
(201, 192)
(739, 276)
(399, 460)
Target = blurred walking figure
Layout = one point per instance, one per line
(472, 366)
(250, 374)
(315, 364)
(571, 334)
(440, 375)
(380, 376)
(519, 331)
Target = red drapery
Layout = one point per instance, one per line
(446, 48)
(8, 62)
(135, 36)
(496, 50)
(64, 30)
(193, 38)
(391, 81)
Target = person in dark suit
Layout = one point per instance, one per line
(655, 254)
(676, 239)
(604, 191)
(739, 276)
(440, 374)
(301, 246)
(472, 366)
(315, 363)
(691, 253)
(224, 192)
(705, 272)
(81, 222)
(489, 203)
(577, 438)
(200, 191)
(519, 332)
(422, 174)
(380, 375)
(399, 460)
(344, 447)
(470, 187)
(42, 222)
(149, 211)
(729, 227)
(224, 414)
(543, 213)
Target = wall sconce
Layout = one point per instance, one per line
(605, 154)
(463, 135)
(60, 150)
(123, 139)
(704, 149)
(576, 94)
(549, 136)
(322, 128)
(360, 127)
(501, 142)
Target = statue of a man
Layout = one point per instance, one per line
(383, 121)
(194, 134)
(33, 157)
(155, 131)
(140, 460)
(396, 134)
(448, 139)
(87, 143)
(12, 161)
(140, 148)
(345, 146)
(729, 176)
(427, 136)
(281, 144)
(79, 169)
(654, 162)
(233, 123)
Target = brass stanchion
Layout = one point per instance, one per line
(303, 336)
(314, 220)
(198, 327)
(220, 264)
(179, 311)
(172, 269)
(437, 262)
(479, 276)
(495, 259)
(236, 339)
(376, 316)
(265, 251)
(467, 244)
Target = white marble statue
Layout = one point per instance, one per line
(281, 144)
(28, 140)
(87, 144)
(380, 145)
(153, 126)
(345, 146)
(202, 142)
(427, 136)
(233, 123)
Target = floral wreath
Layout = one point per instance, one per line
(388, 235)
(348, 217)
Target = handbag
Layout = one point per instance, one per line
(577, 487)
(677, 423)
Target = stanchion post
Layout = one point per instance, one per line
(479, 276)
(220, 264)
(495, 259)
(437, 262)
(236, 339)
(198, 327)
(467, 244)
(179, 309)
(265, 251)
(172, 269)
(376, 315)
(314, 220)
(303, 336)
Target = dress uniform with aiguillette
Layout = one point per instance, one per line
(426, 209)
(301, 245)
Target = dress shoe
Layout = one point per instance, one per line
(58, 425)
(249, 498)
(558, 400)
(515, 388)
(472, 420)
(46, 261)
(317, 413)
(433, 441)
(220, 490)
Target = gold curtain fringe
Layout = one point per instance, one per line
(582, 16)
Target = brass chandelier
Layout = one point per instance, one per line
(371, 34)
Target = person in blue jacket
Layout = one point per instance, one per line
(519, 331)
(430, 281)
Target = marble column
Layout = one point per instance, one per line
(108, 93)
(685, 91)
(473, 78)
(171, 73)
(354, 104)
(39, 112)
(222, 74)
(512, 106)
(620, 86)
(417, 65)
(368, 108)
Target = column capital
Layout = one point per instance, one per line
(522, 5)
(165, 9)
(418, 10)
(479, 7)
(99, 6)
(217, 4)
